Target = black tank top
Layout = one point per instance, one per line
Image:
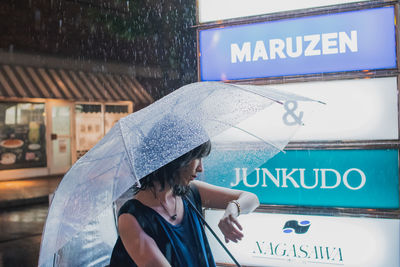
(184, 244)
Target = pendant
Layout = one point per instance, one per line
(173, 217)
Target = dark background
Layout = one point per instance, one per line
(145, 33)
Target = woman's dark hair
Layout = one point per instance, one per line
(169, 173)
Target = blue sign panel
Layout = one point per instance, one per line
(356, 40)
(330, 178)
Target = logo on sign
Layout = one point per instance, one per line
(296, 249)
(290, 107)
(353, 178)
(331, 43)
(296, 227)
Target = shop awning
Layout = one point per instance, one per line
(56, 83)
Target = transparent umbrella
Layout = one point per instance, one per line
(148, 139)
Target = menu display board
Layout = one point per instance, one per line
(89, 130)
(22, 135)
(92, 123)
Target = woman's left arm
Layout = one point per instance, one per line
(235, 202)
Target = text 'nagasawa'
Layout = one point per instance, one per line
(314, 253)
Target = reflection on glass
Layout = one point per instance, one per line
(33, 134)
(61, 120)
(61, 146)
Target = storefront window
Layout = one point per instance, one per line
(89, 127)
(93, 121)
(113, 114)
(22, 135)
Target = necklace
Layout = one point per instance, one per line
(172, 217)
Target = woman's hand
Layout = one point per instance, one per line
(229, 225)
(217, 197)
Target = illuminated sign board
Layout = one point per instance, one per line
(300, 240)
(359, 109)
(355, 40)
(211, 10)
(328, 178)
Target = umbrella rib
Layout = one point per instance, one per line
(104, 157)
(255, 136)
(199, 103)
(208, 95)
(249, 91)
(273, 99)
(127, 151)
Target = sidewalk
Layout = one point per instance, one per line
(22, 192)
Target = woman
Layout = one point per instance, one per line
(160, 228)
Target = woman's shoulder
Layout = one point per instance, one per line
(194, 185)
(131, 206)
(193, 195)
(142, 214)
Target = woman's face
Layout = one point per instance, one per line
(189, 172)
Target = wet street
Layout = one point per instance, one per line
(20, 235)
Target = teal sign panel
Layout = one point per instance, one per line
(327, 178)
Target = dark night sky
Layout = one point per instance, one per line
(140, 32)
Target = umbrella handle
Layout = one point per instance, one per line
(212, 232)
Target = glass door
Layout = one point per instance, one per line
(60, 136)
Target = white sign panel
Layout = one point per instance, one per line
(300, 240)
(211, 10)
(362, 109)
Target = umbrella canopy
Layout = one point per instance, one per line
(150, 138)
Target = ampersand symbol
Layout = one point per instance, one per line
(290, 106)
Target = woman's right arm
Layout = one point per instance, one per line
(139, 245)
